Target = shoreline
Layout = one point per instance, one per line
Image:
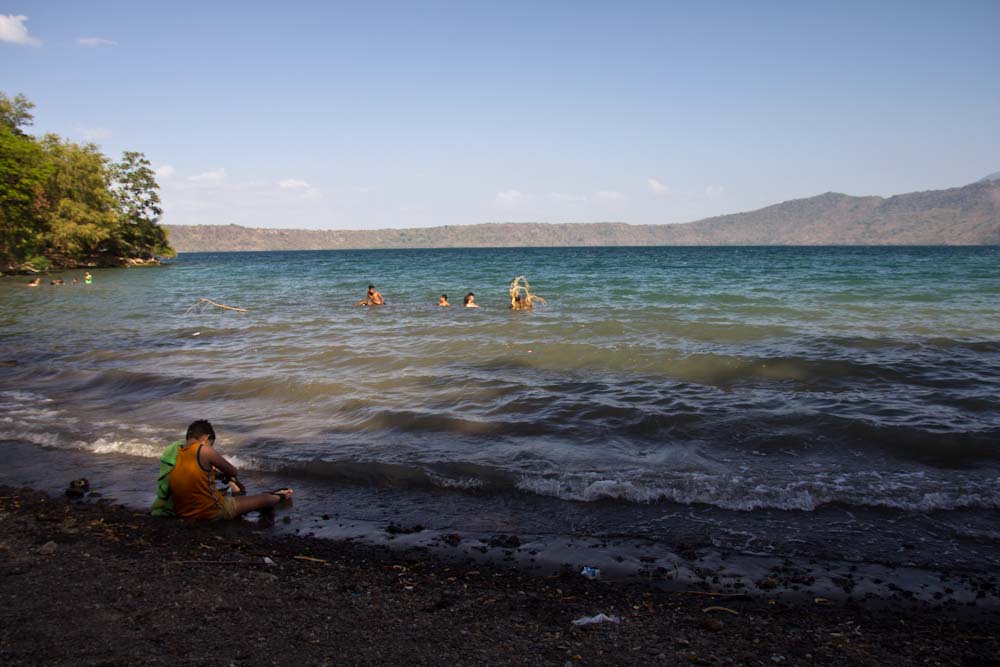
(683, 553)
(118, 584)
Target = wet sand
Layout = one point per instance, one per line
(94, 583)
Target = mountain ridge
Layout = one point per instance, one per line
(967, 215)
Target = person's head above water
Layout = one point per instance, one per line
(198, 429)
(443, 300)
(470, 297)
(371, 288)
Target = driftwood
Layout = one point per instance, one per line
(311, 559)
(725, 609)
(521, 297)
(203, 301)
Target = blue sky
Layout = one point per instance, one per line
(354, 115)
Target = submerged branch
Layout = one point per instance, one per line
(202, 301)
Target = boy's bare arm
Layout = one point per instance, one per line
(216, 459)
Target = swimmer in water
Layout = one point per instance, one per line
(443, 300)
(374, 298)
(35, 283)
(470, 301)
(87, 278)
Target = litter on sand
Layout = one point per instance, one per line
(600, 618)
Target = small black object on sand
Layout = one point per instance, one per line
(78, 488)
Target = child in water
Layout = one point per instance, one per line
(443, 300)
(186, 485)
(374, 298)
(470, 301)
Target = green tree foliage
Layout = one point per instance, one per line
(24, 170)
(16, 113)
(133, 184)
(63, 203)
(83, 213)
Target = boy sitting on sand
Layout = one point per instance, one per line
(186, 484)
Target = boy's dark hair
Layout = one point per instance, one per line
(200, 428)
(444, 296)
(371, 287)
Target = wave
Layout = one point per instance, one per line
(911, 492)
(890, 491)
(802, 491)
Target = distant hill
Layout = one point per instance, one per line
(968, 215)
(995, 176)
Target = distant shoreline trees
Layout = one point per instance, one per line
(66, 205)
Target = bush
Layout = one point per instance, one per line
(38, 263)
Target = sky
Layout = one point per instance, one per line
(349, 115)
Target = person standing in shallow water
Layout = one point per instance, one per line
(470, 301)
(186, 484)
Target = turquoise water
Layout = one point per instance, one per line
(742, 379)
(646, 364)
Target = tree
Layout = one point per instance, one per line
(82, 208)
(24, 170)
(133, 184)
(15, 113)
(62, 203)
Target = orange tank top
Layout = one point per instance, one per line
(192, 488)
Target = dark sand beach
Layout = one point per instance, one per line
(92, 583)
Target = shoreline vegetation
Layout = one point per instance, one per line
(68, 206)
(123, 587)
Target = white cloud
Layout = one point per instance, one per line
(713, 190)
(292, 184)
(96, 41)
(166, 171)
(94, 133)
(609, 196)
(657, 187)
(13, 30)
(213, 176)
(567, 197)
(509, 197)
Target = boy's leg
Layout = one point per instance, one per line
(244, 504)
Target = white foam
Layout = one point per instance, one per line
(463, 483)
(890, 490)
(138, 448)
